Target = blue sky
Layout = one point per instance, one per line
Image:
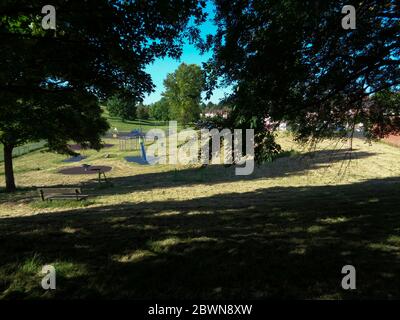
(161, 67)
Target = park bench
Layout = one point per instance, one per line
(61, 194)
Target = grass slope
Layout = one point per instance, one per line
(123, 126)
(184, 232)
(127, 125)
(21, 150)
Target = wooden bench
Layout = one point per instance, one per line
(61, 194)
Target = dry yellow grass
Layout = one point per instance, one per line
(329, 164)
(189, 232)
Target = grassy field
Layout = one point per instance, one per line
(127, 125)
(21, 150)
(187, 232)
(122, 126)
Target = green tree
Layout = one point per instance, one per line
(292, 61)
(160, 110)
(123, 107)
(142, 112)
(51, 80)
(384, 114)
(183, 90)
(211, 106)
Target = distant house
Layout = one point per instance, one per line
(283, 126)
(393, 139)
(215, 113)
(271, 125)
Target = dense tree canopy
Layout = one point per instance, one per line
(160, 110)
(51, 80)
(183, 90)
(142, 112)
(383, 109)
(121, 106)
(292, 61)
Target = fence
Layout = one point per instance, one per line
(128, 143)
(21, 150)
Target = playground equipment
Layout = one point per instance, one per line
(87, 169)
(115, 133)
(128, 143)
(142, 159)
(143, 151)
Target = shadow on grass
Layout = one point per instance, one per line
(214, 174)
(272, 243)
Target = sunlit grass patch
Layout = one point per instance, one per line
(21, 277)
(68, 269)
(394, 239)
(285, 214)
(24, 277)
(333, 220)
(135, 256)
(168, 243)
(315, 229)
(31, 265)
(384, 247)
(164, 245)
(167, 213)
(38, 204)
(69, 230)
(299, 251)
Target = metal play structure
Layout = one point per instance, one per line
(128, 143)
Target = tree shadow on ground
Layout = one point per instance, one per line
(272, 243)
(214, 174)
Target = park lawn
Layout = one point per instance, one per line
(129, 125)
(122, 126)
(24, 149)
(187, 232)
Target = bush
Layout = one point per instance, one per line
(122, 107)
(142, 112)
(160, 110)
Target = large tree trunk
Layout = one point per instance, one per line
(8, 168)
